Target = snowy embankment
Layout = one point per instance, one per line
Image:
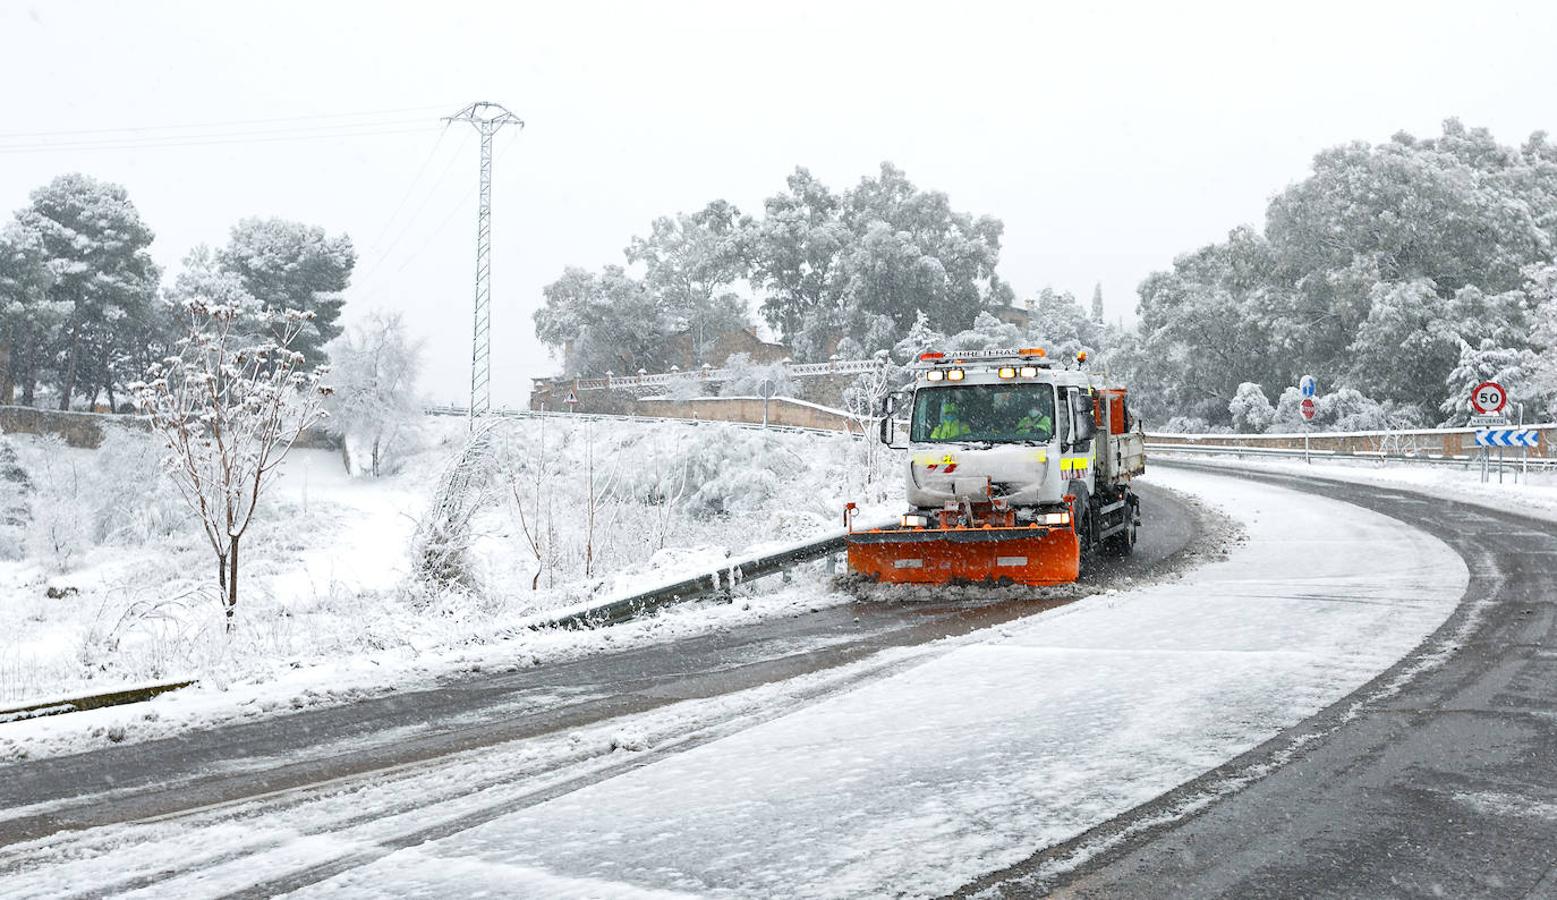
(1532, 494)
(330, 608)
(995, 745)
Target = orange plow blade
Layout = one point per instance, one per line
(1030, 554)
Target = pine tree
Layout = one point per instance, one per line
(94, 244)
(288, 265)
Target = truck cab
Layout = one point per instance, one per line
(1005, 447)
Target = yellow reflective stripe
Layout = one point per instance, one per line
(1071, 463)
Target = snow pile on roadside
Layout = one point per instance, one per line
(326, 568)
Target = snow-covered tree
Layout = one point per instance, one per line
(374, 368)
(1097, 303)
(1369, 273)
(289, 265)
(987, 333)
(691, 263)
(102, 280)
(228, 409)
(750, 379)
(1541, 285)
(920, 338)
(862, 266)
(602, 323)
(30, 317)
(1251, 409)
(1514, 369)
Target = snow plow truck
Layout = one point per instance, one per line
(1017, 468)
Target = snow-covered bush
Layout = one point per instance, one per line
(1348, 409)
(75, 500)
(565, 522)
(703, 473)
(14, 512)
(686, 389)
(440, 549)
(1186, 425)
(1250, 409)
(131, 497)
(60, 521)
(1289, 417)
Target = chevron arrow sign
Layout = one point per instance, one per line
(1507, 437)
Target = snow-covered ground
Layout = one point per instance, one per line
(907, 774)
(330, 611)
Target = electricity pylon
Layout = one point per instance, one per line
(488, 118)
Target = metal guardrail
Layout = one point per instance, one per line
(90, 701)
(725, 578)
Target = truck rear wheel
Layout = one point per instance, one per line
(1122, 542)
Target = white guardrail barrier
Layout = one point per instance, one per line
(1426, 446)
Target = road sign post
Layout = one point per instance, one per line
(1308, 386)
(1488, 400)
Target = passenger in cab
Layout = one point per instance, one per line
(1036, 425)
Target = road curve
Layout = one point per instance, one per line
(1438, 778)
(156, 779)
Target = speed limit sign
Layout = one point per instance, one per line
(1488, 398)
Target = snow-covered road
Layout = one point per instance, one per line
(1008, 741)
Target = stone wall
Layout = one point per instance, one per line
(84, 429)
(823, 390)
(781, 411)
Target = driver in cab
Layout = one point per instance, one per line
(951, 427)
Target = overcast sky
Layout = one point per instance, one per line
(1107, 138)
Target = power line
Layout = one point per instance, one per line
(382, 256)
(422, 170)
(222, 124)
(458, 208)
(210, 142)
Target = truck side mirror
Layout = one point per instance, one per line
(1083, 407)
(888, 424)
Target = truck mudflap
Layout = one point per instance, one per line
(1022, 554)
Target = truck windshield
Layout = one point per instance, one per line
(1000, 413)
